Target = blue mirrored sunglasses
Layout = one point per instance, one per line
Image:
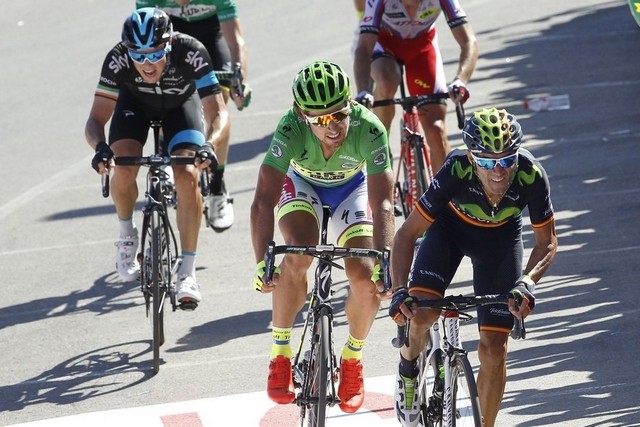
(490, 164)
(152, 57)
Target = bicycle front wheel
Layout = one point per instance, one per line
(465, 407)
(320, 370)
(158, 287)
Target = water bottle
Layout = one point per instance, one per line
(451, 325)
(548, 103)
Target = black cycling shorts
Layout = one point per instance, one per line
(495, 252)
(182, 127)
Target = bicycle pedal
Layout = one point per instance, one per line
(188, 305)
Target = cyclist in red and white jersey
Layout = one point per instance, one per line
(404, 31)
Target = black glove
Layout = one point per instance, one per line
(103, 155)
(206, 153)
(525, 288)
(365, 98)
(400, 296)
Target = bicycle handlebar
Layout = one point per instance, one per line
(152, 160)
(460, 303)
(417, 101)
(331, 252)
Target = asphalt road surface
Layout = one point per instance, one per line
(74, 340)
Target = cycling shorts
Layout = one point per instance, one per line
(424, 71)
(350, 212)
(496, 255)
(182, 127)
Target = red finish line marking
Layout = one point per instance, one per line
(190, 419)
(289, 415)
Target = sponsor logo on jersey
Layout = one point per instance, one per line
(422, 84)
(118, 62)
(276, 150)
(428, 12)
(380, 159)
(193, 58)
(342, 156)
(349, 165)
(107, 81)
(166, 91)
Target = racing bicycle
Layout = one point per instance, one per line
(446, 387)
(158, 256)
(415, 161)
(315, 366)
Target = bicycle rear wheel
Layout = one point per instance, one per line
(320, 370)
(465, 408)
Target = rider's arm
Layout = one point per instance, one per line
(100, 113)
(232, 33)
(403, 246)
(262, 217)
(216, 118)
(543, 252)
(466, 39)
(362, 61)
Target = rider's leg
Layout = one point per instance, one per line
(385, 73)
(492, 375)
(432, 120)
(124, 189)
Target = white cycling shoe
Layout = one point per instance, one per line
(127, 265)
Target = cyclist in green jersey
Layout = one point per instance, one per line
(327, 149)
(215, 24)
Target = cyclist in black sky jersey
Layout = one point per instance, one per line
(216, 24)
(154, 73)
(473, 207)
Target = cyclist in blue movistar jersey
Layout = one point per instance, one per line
(327, 149)
(216, 24)
(473, 208)
(154, 73)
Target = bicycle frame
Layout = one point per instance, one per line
(449, 398)
(158, 256)
(415, 160)
(315, 370)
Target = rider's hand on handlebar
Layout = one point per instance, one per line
(103, 159)
(206, 158)
(458, 92)
(523, 292)
(401, 307)
(241, 96)
(259, 282)
(365, 98)
(378, 282)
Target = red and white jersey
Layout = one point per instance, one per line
(391, 17)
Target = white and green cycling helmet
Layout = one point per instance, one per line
(492, 131)
(320, 86)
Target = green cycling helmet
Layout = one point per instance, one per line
(320, 86)
(492, 131)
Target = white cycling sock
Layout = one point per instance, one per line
(127, 227)
(188, 265)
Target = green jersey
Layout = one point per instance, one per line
(196, 10)
(366, 147)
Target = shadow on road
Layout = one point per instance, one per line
(97, 373)
(584, 327)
